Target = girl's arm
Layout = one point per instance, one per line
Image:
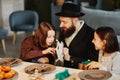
(29, 50)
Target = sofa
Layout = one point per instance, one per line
(96, 18)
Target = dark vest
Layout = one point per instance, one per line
(81, 47)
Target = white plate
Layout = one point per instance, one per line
(94, 75)
(15, 76)
(42, 68)
(10, 61)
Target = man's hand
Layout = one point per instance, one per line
(66, 54)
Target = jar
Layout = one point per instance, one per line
(59, 2)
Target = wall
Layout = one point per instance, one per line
(0, 14)
(6, 8)
(42, 7)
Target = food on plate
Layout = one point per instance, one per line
(44, 68)
(2, 75)
(94, 75)
(6, 72)
(5, 68)
(9, 74)
(10, 61)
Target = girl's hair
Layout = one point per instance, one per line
(108, 34)
(41, 34)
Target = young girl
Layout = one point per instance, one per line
(40, 47)
(105, 40)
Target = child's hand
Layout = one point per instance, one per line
(93, 65)
(43, 60)
(49, 51)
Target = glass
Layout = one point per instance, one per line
(82, 65)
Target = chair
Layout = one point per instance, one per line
(23, 20)
(3, 34)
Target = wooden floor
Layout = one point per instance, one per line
(13, 50)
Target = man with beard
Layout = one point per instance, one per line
(76, 35)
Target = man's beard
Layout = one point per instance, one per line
(68, 32)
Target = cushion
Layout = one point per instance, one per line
(96, 18)
(118, 37)
(24, 28)
(3, 33)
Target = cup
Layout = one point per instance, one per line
(82, 66)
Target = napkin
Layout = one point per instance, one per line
(59, 49)
(86, 62)
(62, 75)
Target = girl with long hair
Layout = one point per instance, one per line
(41, 46)
(105, 40)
